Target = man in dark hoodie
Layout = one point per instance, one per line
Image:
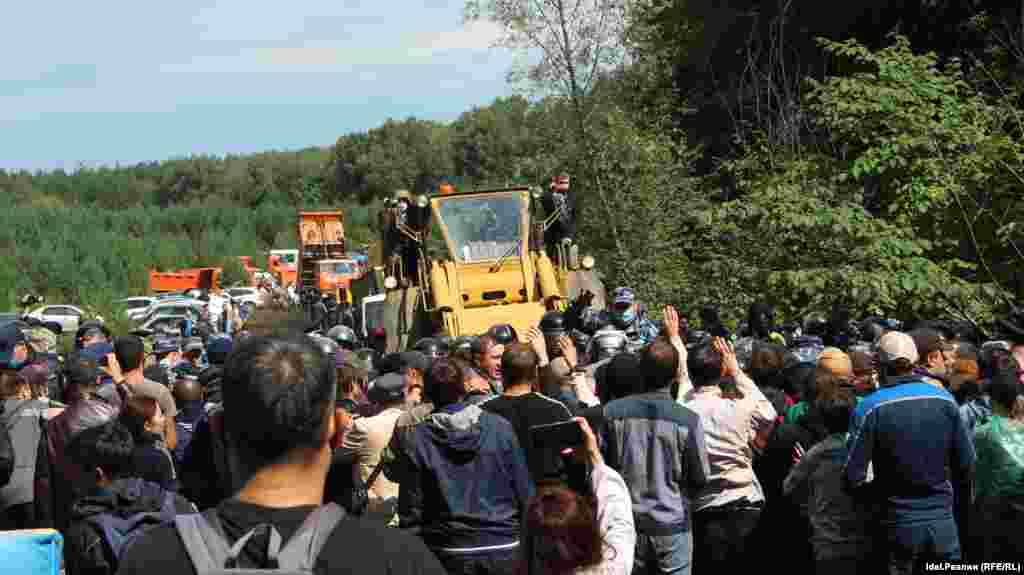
(188, 395)
(468, 479)
(117, 504)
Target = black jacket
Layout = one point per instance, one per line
(86, 551)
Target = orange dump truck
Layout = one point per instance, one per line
(181, 280)
(282, 265)
(321, 251)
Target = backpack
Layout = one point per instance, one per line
(7, 459)
(118, 533)
(211, 554)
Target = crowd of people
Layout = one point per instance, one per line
(597, 442)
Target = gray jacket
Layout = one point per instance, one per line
(25, 434)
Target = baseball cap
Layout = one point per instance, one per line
(623, 295)
(388, 387)
(165, 345)
(897, 345)
(836, 362)
(98, 352)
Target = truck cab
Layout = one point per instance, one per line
(283, 265)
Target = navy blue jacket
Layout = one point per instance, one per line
(911, 439)
(469, 480)
(658, 447)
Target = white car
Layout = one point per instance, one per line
(135, 307)
(245, 295)
(68, 316)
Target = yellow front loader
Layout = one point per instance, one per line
(488, 271)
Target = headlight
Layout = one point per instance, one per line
(536, 192)
(422, 201)
(390, 282)
(588, 262)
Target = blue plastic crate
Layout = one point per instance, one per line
(31, 552)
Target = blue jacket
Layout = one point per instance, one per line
(906, 436)
(657, 445)
(468, 480)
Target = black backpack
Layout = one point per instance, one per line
(7, 421)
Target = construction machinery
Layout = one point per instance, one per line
(282, 265)
(459, 263)
(322, 254)
(186, 279)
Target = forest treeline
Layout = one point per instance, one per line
(865, 154)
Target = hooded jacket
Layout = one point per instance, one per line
(103, 520)
(55, 488)
(469, 481)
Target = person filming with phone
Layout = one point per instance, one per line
(570, 532)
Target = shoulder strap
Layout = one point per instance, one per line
(380, 464)
(304, 547)
(9, 419)
(204, 541)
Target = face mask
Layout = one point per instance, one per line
(624, 317)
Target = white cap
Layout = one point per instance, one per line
(897, 345)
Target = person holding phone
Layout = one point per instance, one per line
(572, 532)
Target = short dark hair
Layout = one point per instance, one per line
(108, 447)
(705, 365)
(483, 344)
(1004, 389)
(519, 364)
(130, 352)
(659, 363)
(620, 377)
(446, 383)
(835, 407)
(278, 395)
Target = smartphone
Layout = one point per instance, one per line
(557, 435)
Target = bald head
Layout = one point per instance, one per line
(187, 390)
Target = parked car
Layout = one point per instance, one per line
(135, 307)
(192, 308)
(245, 295)
(163, 324)
(67, 316)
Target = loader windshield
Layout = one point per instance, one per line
(483, 227)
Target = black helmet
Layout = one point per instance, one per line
(343, 336)
(503, 333)
(462, 345)
(553, 323)
(607, 343)
(430, 347)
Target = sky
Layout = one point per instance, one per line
(102, 83)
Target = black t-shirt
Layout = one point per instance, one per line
(354, 546)
(524, 412)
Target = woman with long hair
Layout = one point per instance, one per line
(575, 533)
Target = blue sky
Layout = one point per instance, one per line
(121, 82)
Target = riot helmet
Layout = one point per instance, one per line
(430, 347)
(342, 336)
(503, 333)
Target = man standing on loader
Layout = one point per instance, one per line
(560, 206)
